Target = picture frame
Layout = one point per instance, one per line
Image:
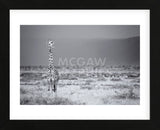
(125, 124)
(113, 93)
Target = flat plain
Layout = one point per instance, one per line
(108, 85)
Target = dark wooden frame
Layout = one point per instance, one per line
(152, 124)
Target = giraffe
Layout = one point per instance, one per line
(53, 75)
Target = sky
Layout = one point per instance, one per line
(119, 44)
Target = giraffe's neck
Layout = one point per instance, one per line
(51, 66)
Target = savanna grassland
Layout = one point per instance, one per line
(109, 85)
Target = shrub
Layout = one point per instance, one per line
(86, 87)
(116, 79)
(127, 95)
(25, 100)
(88, 82)
(23, 91)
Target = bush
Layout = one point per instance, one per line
(23, 91)
(86, 87)
(88, 82)
(25, 100)
(116, 79)
(127, 95)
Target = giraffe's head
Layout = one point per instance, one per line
(50, 43)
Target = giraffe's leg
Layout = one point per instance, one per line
(49, 84)
(55, 85)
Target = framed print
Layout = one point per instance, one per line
(91, 61)
(79, 65)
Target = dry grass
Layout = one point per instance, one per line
(129, 94)
(75, 88)
(41, 99)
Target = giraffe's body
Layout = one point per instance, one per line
(53, 79)
(53, 75)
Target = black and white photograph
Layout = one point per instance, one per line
(80, 65)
